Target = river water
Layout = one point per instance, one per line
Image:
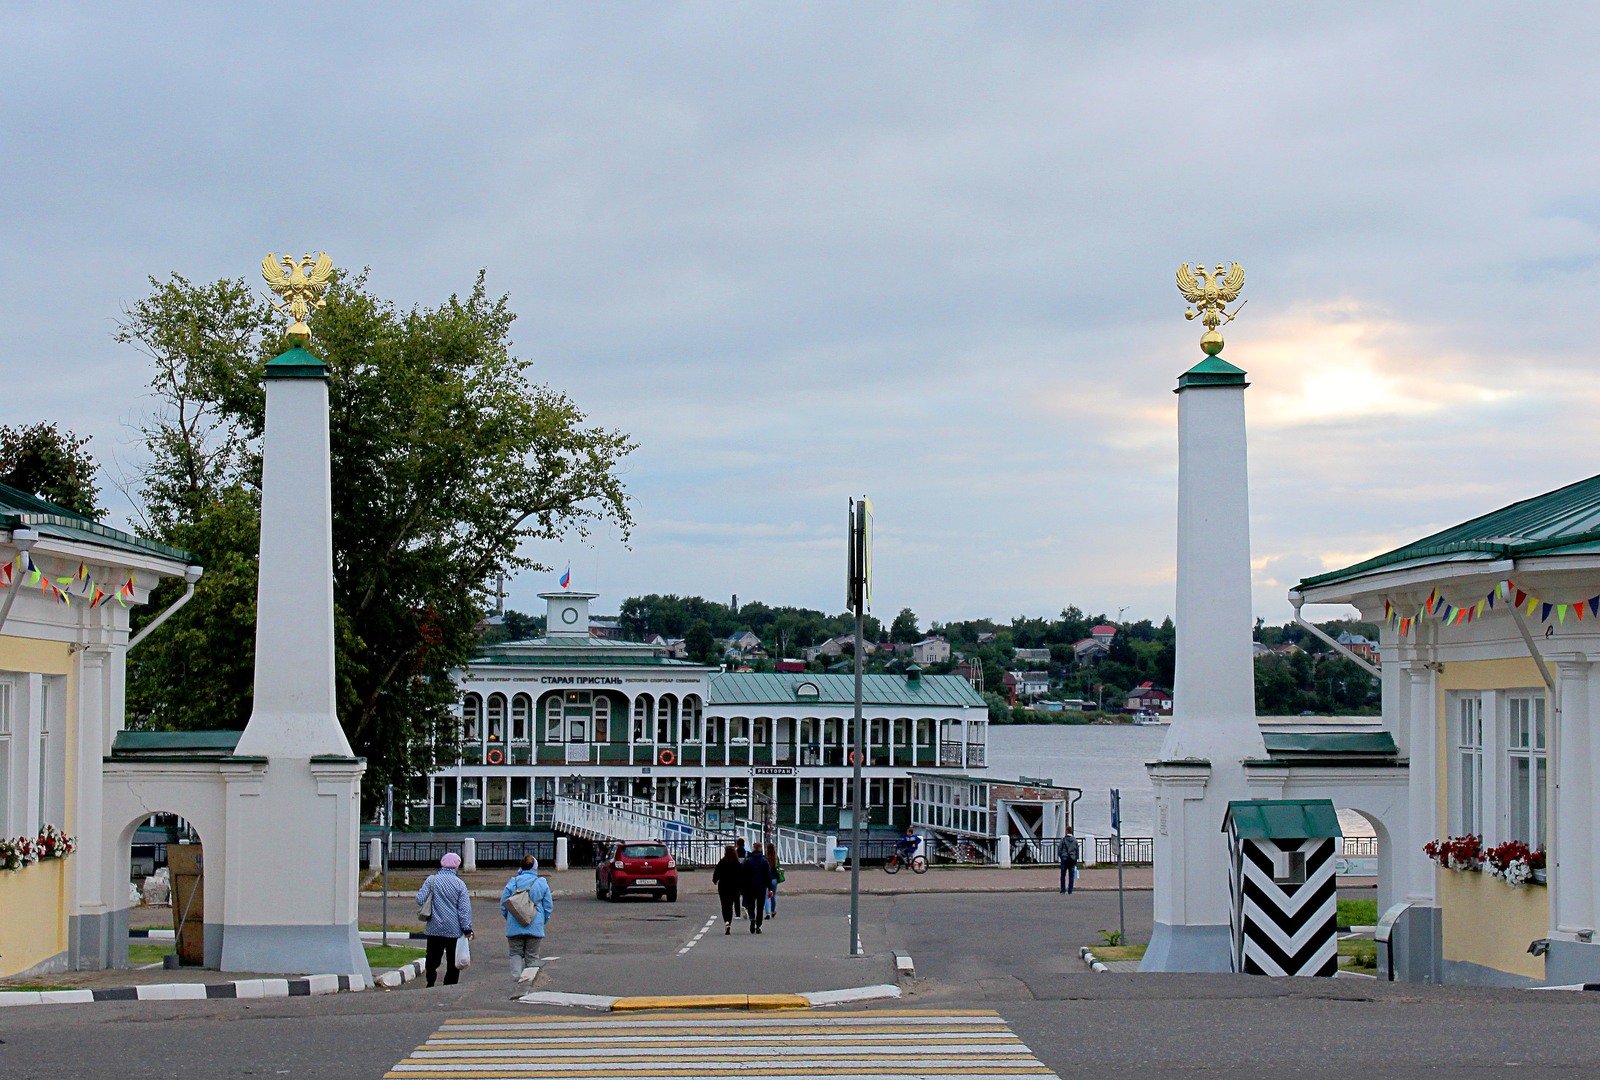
(1097, 758)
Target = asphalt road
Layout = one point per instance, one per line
(1012, 952)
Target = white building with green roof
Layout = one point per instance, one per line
(575, 714)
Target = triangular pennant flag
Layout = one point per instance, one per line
(1594, 606)
(1387, 608)
(1533, 602)
(1577, 609)
(99, 596)
(1492, 597)
(5, 575)
(1478, 612)
(1544, 612)
(1521, 598)
(1433, 594)
(1561, 613)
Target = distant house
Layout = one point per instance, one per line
(610, 629)
(789, 665)
(1033, 656)
(931, 650)
(1259, 649)
(1361, 645)
(1032, 684)
(985, 637)
(970, 670)
(1090, 650)
(744, 643)
(1104, 632)
(1078, 705)
(1148, 697)
(1051, 706)
(1009, 687)
(833, 647)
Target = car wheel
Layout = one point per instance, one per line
(599, 890)
(615, 894)
(671, 895)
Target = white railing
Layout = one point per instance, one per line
(623, 817)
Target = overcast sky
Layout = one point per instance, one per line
(923, 252)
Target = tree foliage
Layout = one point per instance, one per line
(446, 460)
(52, 464)
(904, 628)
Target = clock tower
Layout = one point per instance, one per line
(566, 614)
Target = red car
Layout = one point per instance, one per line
(636, 866)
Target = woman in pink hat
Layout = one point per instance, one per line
(444, 902)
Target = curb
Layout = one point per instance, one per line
(401, 975)
(743, 1002)
(1569, 986)
(904, 966)
(1094, 963)
(309, 986)
(368, 936)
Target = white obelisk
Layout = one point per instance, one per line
(1214, 728)
(294, 831)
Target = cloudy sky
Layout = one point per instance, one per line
(919, 251)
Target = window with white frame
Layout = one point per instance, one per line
(1467, 804)
(602, 718)
(521, 708)
(641, 718)
(692, 719)
(1525, 748)
(554, 712)
(471, 710)
(497, 718)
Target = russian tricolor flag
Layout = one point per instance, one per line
(566, 578)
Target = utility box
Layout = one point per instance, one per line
(1284, 910)
(186, 865)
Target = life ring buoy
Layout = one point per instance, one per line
(494, 756)
(667, 757)
(854, 757)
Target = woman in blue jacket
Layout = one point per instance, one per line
(523, 939)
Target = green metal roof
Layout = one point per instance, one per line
(19, 509)
(165, 743)
(1282, 819)
(779, 688)
(581, 660)
(1287, 743)
(1561, 522)
(1212, 371)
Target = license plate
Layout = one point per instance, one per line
(646, 881)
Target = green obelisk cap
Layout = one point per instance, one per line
(1212, 371)
(297, 363)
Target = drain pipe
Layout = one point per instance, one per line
(1322, 635)
(191, 574)
(23, 539)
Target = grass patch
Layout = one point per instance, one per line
(148, 952)
(35, 987)
(402, 929)
(1363, 954)
(1118, 952)
(387, 958)
(1357, 913)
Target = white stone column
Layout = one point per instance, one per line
(1572, 798)
(1415, 869)
(1214, 729)
(91, 917)
(299, 916)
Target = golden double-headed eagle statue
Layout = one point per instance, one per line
(299, 286)
(1211, 293)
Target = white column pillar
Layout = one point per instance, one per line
(92, 920)
(1572, 797)
(1410, 864)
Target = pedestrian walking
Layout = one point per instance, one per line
(1069, 861)
(443, 896)
(757, 880)
(728, 877)
(738, 849)
(527, 905)
(777, 878)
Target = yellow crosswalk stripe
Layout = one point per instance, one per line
(895, 1044)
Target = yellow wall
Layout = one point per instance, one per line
(34, 927)
(50, 658)
(1488, 923)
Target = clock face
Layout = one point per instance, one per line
(569, 615)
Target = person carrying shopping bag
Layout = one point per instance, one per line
(447, 908)
(527, 905)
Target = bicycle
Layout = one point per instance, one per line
(894, 863)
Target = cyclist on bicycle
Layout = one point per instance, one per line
(906, 845)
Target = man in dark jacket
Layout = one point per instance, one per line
(757, 880)
(1069, 861)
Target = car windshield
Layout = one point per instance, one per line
(642, 851)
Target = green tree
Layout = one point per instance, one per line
(52, 464)
(904, 627)
(447, 458)
(700, 642)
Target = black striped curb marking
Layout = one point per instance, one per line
(310, 986)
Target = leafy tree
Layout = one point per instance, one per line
(446, 459)
(700, 642)
(904, 627)
(52, 464)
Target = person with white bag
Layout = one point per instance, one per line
(527, 904)
(444, 904)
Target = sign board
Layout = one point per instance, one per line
(1116, 810)
(772, 770)
(858, 592)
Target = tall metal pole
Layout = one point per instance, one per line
(388, 839)
(856, 753)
